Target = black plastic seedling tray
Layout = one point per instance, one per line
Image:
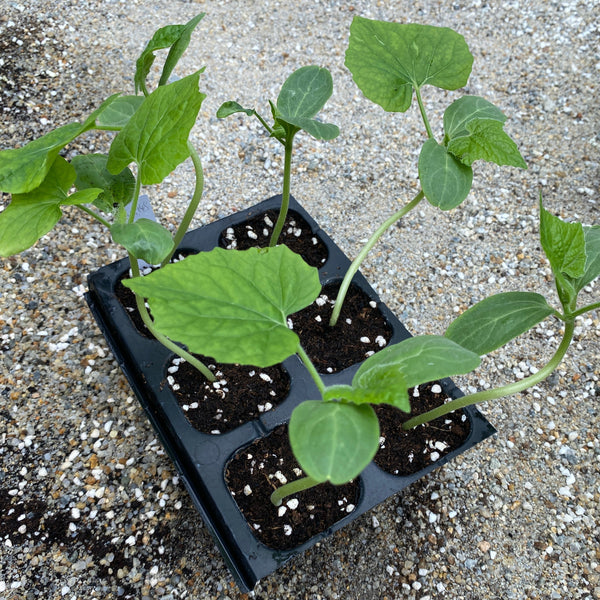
(201, 458)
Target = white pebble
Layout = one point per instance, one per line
(365, 340)
(436, 389)
(287, 529)
(281, 511)
(292, 504)
(247, 490)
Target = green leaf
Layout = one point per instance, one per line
(487, 140)
(230, 108)
(496, 320)
(176, 37)
(564, 246)
(92, 173)
(446, 181)
(380, 385)
(144, 239)
(333, 441)
(232, 305)
(592, 261)
(156, 136)
(464, 110)
(24, 169)
(303, 94)
(419, 359)
(178, 48)
(32, 215)
(117, 115)
(320, 131)
(389, 60)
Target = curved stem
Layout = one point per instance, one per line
(311, 369)
(499, 392)
(293, 487)
(285, 196)
(94, 214)
(192, 206)
(353, 268)
(423, 113)
(164, 340)
(588, 308)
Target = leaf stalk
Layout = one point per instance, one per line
(499, 392)
(353, 268)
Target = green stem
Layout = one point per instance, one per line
(311, 369)
(192, 206)
(423, 113)
(134, 201)
(94, 214)
(585, 309)
(165, 341)
(285, 197)
(505, 390)
(353, 268)
(263, 123)
(293, 487)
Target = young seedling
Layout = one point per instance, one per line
(390, 62)
(152, 133)
(303, 94)
(573, 251)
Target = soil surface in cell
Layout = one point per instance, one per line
(296, 235)
(360, 331)
(407, 452)
(256, 471)
(240, 393)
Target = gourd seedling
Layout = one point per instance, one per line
(573, 251)
(392, 61)
(303, 94)
(152, 132)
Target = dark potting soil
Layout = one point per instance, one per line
(360, 331)
(296, 235)
(239, 395)
(406, 452)
(256, 471)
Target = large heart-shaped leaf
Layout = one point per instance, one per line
(144, 239)
(32, 215)
(232, 305)
(156, 136)
(175, 37)
(496, 320)
(388, 60)
(92, 173)
(446, 181)
(333, 441)
(419, 359)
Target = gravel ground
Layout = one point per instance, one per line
(105, 515)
